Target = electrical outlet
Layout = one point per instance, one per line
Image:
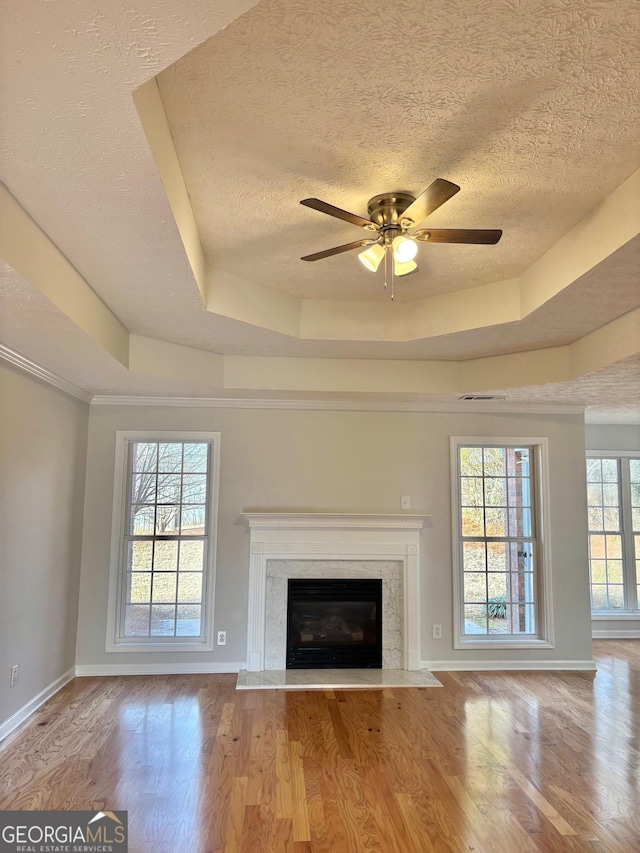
(14, 675)
(405, 502)
(437, 632)
(222, 638)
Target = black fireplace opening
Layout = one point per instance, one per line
(334, 624)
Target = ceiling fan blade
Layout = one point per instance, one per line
(458, 235)
(431, 199)
(337, 250)
(323, 207)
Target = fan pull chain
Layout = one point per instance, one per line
(386, 256)
(393, 278)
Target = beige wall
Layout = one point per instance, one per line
(617, 438)
(343, 461)
(43, 440)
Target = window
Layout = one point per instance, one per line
(613, 498)
(498, 552)
(163, 541)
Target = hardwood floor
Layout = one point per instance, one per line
(492, 763)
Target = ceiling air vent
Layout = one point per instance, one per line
(482, 397)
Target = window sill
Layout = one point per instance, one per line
(616, 616)
(507, 643)
(155, 647)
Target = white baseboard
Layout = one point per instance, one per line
(83, 670)
(503, 666)
(605, 634)
(32, 706)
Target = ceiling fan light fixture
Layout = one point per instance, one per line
(404, 249)
(372, 257)
(403, 268)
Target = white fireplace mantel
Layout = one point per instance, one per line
(296, 536)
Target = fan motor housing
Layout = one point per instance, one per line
(387, 209)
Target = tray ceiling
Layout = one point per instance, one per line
(532, 109)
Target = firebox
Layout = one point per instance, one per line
(334, 623)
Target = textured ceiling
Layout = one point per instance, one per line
(535, 114)
(532, 107)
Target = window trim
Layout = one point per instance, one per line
(627, 533)
(545, 637)
(115, 642)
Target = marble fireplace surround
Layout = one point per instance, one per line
(284, 545)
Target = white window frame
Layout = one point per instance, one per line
(628, 552)
(115, 642)
(544, 639)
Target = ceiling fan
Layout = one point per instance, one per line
(391, 215)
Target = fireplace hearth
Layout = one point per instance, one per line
(334, 623)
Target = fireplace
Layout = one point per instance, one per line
(295, 546)
(334, 623)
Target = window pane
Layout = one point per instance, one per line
(495, 491)
(167, 520)
(496, 522)
(136, 620)
(192, 556)
(190, 587)
(164, 587)
(610, 470)
(165, 556)
(614, 571)
(471, 491)
(140, 556)
(610, 494)
(596, 518)
(599, 597)
(142, 520)
(611, 518)
(169, 457)
(616, 597)
(189, 617)
(169, 488)
(594, 494)
(594, 470)
(635, 518)
(471, 461)
(473, 556)
(598, 571)
(143, 488)
(519, 522)
(163, 620)
(194, 488)
(634, 470)
(145, 456)
(494, 461)
(497, 583)
(614, 547)
(497, 556)
(475, 586)
(475, 619)
(193, 521)
(139, 587)
(196, 457)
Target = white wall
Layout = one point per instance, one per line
(43, 441)
(340, 461)
(618, 438)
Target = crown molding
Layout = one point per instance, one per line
(495, 407)
(28, 366)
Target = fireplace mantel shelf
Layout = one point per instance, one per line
(334, 521)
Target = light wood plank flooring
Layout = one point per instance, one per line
(491, 763)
